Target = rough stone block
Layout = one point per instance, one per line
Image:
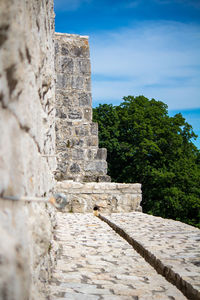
(67, 99)
(77, 142)
(60, 114)
(85, 99)
(62, 166)
(101, 154)
(83, 66)
(91, 154)
(62, 81)
(94, 128)
(90, 178)
(77, 82)
(82, 130)
(87, 84)
(88, 114)
(92, 141)
(65, 155)
(67, 65)
(77, 154)
(95, 167)
(81, 51)
(62, 146)
(56, 48)
(75, 168)
(65, 50)
(103, 178)
(75, 115)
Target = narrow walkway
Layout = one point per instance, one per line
(172, 247)
(96, 263)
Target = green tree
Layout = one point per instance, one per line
(146, 145)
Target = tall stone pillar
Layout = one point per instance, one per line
(79, 157)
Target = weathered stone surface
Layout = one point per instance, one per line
(99, 264)
(89, 253)
(75, 168)
(113, 197)
(74, 115)
(93, 167)
(83, 66)
(15, 276)
(94, 128)
(101, 154)
(170, 246)
(92, 142)
(27, 144)
(63, 82)
(67, 65)
(74, 112)
(77, 154)
(103, 178)
(85, 99)
(88, 114)
(77, 83)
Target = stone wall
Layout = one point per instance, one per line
(112, 197)
(79, 157)
(27, 143)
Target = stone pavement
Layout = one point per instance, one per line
(94, 262)
(172, 247)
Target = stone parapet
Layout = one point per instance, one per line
(112, 197)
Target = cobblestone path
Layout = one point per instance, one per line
(94, 262)
(175, 244)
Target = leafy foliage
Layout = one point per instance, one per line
(146, 145)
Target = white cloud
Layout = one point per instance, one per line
(160, 60)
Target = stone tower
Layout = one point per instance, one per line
(79, 157)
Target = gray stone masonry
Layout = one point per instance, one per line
(95, 263)
(112, 197)
(27, 138)
(55, 255)
(79, 157)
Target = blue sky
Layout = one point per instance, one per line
(140, 47)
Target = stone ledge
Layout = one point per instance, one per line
(71, 35)
(112, 197)
(172, 248)
(72, 187)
